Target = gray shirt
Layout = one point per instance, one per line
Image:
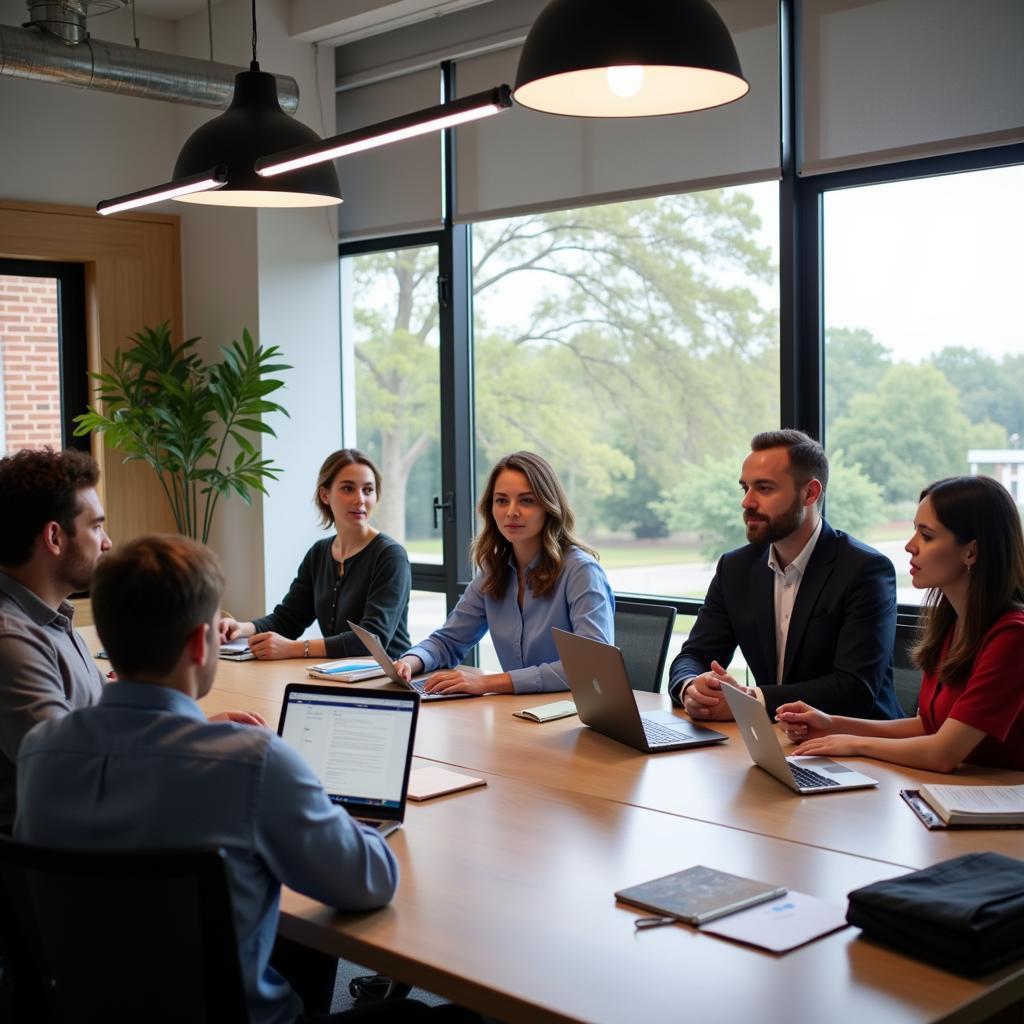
(45, 672)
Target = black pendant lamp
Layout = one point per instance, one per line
(610, 58)
(253, 126)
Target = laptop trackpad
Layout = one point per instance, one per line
(670, 721)
(824, 764)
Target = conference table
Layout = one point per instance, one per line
(506, 899)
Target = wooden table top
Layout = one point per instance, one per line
(717, 784)
(506, 898)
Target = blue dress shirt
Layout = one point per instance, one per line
(144, 769)
(581, 602)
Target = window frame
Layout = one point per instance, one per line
(72, 347)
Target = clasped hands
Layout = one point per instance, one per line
(703, 698)
(809, 728)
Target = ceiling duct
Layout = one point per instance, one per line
(56, 47)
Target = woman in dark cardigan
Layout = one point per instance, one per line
(359, 574)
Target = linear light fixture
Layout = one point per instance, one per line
(407, 126)
(204, 181)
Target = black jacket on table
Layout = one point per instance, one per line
(373, 592)
(840, 642)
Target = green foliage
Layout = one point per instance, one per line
(637, 344)
(161, 404)
(854, 363)
(853, 502)
(910, 431)
(988, 389)
(706, 501)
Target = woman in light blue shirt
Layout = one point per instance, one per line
(533, 574)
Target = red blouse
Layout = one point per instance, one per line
(992, 698)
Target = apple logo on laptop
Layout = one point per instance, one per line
(596, 685)
(757, 739)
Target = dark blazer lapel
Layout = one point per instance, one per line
(762, 592)
(819, 569)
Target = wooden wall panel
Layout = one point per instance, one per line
(133, 278)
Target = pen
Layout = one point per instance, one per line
(653, 922)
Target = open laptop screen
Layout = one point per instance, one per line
(359, 744)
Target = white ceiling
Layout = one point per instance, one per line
(333, 20)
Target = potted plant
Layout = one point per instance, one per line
(161, 403)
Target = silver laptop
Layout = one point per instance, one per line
(605, 700)
(804, 774)
(376, 648)
(358, 743)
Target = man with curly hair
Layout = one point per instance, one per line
(54, 534)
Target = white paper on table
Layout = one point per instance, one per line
(781, 924)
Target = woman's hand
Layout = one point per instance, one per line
(273, 647)
(408, 667)
(232, 629)
(838, 745)
(802, 722)
(457, 680)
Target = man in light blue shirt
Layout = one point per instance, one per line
(144, 769)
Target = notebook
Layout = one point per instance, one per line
(804, 774)
(699, 894)
(374, 646)
(236, 650)
(358, 743)
(605, 700)
(346, 670)
(940, 806)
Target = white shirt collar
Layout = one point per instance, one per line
(799, 564)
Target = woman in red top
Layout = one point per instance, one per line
(968, 552)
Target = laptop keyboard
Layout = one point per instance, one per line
(810, 779)
(659, 734)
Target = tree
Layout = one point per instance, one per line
(854, 363)
(640, 322)
(988, 390)
(707, 502)
(910, 431)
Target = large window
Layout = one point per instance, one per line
(636, 347)
(924, 363)
(390, 300)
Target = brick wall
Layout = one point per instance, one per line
(31, 366)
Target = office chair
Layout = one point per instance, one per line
(905, 677)
(642, 633)
(120, 937)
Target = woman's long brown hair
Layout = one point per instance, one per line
(974, 508)
(491, 550)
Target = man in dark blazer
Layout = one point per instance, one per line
(812, 609)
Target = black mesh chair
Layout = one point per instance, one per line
(120, 937)
(642, 633)
(905, 677)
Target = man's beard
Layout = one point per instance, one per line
(769, 530)
(77, 568)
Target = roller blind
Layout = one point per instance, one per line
(891, 80)
(523, 160)
(397, 188)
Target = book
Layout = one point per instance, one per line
(236, 650)
(547, 712)
(699, 894)
(976, 805)
(347, 670)
(425, 783)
